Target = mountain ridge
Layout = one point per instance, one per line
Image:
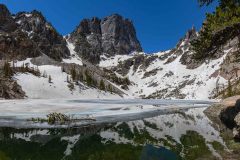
(104, 56)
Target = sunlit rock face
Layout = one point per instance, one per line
(112, 35)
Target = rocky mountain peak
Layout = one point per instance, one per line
(4, 12)
(88, 26)
(28, 34)
(112, 35)
(6, 21)
(43, 33)
(31, 21)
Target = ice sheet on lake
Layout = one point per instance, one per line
(18, 111)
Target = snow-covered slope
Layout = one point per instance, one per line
(196, 83)
(113, 61)
(161, 75)
(74, 58)
(39, 87)
(164, 74)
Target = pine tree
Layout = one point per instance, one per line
(102, 85)
(126, 81)
(68, 79)
(13, 65)
(38, 71)
(26, 66)
(89, 79)
(44, 74)
(8, 72)
(110, 88)
(22, 68)
(63, 69)
(80, 76)
(49, 79)
(73, 73)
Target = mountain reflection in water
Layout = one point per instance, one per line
(183, 135)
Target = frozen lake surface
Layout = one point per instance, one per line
(16, 112)
(136, 129)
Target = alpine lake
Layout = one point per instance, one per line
(185, 134)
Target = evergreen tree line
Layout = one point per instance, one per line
(227, 14)
(87, 77)
(9, 70)
(115, 79)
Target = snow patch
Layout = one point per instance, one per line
(74, 58)
(40, 88)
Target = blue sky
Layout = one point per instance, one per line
(159, 23)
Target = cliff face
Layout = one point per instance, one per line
(6, 21)
(28, 34)
(110, 36)
(47, 39)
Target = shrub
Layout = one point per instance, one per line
(54, 118)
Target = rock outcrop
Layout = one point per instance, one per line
(229, 114)
(47, 39)
(9, 89)
(112, 35)
(231, 118)
(17, 45)
(27, 35)
(7, 23)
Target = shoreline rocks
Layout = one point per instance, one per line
(226, 114)
(225, 117)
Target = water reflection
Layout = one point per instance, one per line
(183, 135)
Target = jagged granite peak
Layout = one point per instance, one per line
(119, 35)
(14, 43)
(4, 12)
(31, 21)
(112, 35)
(88, 26)
(43, 33)
(28, 34)
(6, 21)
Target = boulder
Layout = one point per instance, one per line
(9, 89)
